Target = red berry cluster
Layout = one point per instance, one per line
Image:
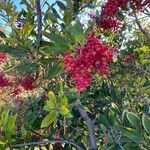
(139, 4)
(107, 24)
(109, 16)
(94, 56)
(9, 81)
(4, 81)
(28, 83)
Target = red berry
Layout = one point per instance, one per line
(3, 57)
(16, 90)
(129, 58)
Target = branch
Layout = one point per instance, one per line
(45, 142)
(81, 8)
(140, 27)
(39, 16)
(89, 125)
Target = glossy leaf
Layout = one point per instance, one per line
(146, 123)
(10, 127)
(11, 123)
(54, 71)
(55, 49)
(76, 32)
(64, 101)
(57, 38)
(63, 110)
(68, 115)
(61, 5)
(50, 118)
(104, 120)
(13, 51)
(133, 119)
(132, 134)
(68, 14)
(51, 102)
(48, 107)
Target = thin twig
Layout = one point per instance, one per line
(140, 27)
(39, 16)
(39, 26)
(89, 124)
(46, 142)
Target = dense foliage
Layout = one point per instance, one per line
(75, 74)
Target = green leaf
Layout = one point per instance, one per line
(4, 117)
(27, 67)
(104, 120)
(2, 34)
(61, 5)
(54, 71)
(55, 13)
(30, 118)
(12, 40)
(10, 126)
(64, 101)
(113, 92)
(13, 51)
(63, 110)
(125, 121)
(47, 60)
(51, 102)
(47, 107)
(11, 122)
(27, 29)
(68, 14)
(133, 119)
(76, 6)
(61, 88)
(146, 123)
(131, 134)
(51, 16)
(23, 132)
(68, 115)
(50, 118)
(57, 39)
(48, 50)
(2, 143)
(76, 31)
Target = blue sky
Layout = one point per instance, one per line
(17, 2)
(19, 6)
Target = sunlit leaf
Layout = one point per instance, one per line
(50, 118)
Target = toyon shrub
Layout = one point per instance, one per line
(93, 57)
